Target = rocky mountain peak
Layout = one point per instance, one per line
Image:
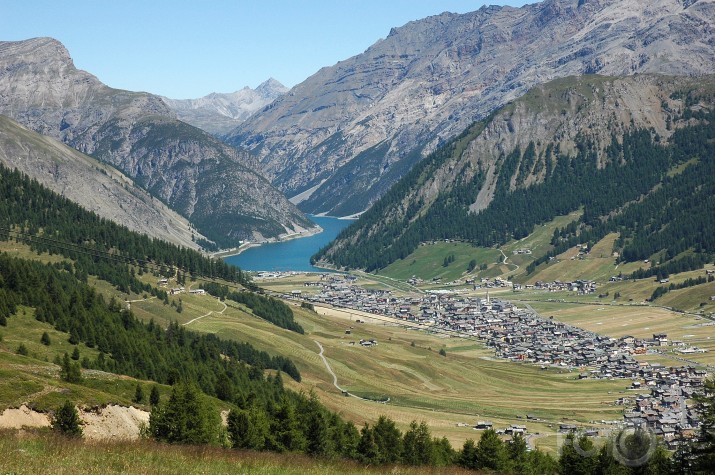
(271, 88)
(218, 113)
(202, 178)
(37, 50)
(344, 135)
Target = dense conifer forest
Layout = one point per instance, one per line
(631, 189)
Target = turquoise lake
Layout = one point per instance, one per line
(293, 255)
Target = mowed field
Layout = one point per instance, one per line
(641, 321)
(465, 386)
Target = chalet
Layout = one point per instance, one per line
(197, 291)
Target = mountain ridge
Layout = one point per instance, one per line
(537, 158)
(352, 129)
(95, 186)
(210, 183)
(219, 113)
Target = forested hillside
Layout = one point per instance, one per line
(652, 186)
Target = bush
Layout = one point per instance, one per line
(66, 420)
(22, 350)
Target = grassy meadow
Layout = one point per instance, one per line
(44, 453)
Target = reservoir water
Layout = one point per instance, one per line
(293, 255)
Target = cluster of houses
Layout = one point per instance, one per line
(665, 408)
(521, 335)
(578, 286)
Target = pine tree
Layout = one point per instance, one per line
(185, 418)
(704, 448)
(517, 451)
(75, 353)
(367, 448)
(66, 420)
(138, 394)
(388, 439)
(417, 445)
(468, 456)
(154, 397)
(70, 372)
(45, 339)
(578, 455)
(491, 453)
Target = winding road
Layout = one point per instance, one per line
(211, 312)
(335, 378)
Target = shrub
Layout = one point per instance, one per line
(66, 420)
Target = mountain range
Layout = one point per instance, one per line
(219, 113)
(96, 186)
(340, 139)
(215, 186)
(634, 154)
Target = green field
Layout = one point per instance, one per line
(465, 386)
(426, 262)
(42, 453)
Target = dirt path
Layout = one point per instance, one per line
(516, 266)
(335, 378)
(210, 313)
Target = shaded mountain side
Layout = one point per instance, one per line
(431, 78)
(140, 135)
(93, 185)
(609, 145)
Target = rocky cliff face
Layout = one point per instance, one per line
(339, 139)
(207, 181)
(220, 113)
(94, 185)
(551, 123)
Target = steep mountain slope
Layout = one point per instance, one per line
(351, 130)
(219, 113)
(632, 152)
(210, 183)
(93, 185)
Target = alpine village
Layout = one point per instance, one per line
(506, 220)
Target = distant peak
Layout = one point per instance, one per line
(271, 83)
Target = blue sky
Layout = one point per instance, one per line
(187, 49)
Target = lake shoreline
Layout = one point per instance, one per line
(251, 244)
(291, 252)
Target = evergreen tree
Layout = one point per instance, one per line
(417, 445)
(185, 418)
(287, 435)
(249, 429)
(490, 451)
(138, 394)
(154, 397)
(45, 339)
(66, 420)
(468, 456)
(704, 447)
(517, 452)
(367, 448)
(578, 455)
(75, 353)
(388, 439)
(70, 371)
